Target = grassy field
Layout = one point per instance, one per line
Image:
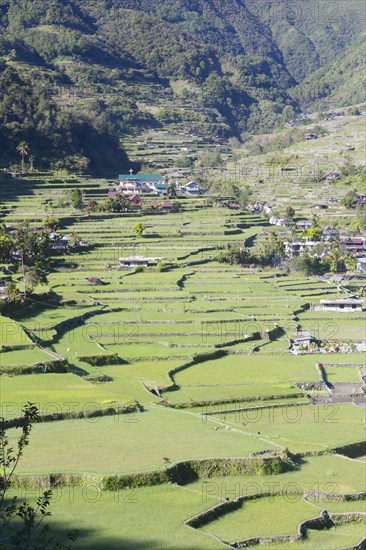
(261, 517)
(131, 443)
(304, 428)
(148, 518)
(325, 474)
(340, 536)
(200, 334)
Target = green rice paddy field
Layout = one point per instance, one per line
(203, 347)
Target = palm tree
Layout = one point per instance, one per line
(23, 150)
(336, 258)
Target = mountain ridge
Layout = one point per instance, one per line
(243, 64)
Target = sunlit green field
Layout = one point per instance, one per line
(131, 443)
(188, 336)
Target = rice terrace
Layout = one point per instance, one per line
(175, 383)
(182, 330)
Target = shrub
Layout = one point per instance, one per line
(100, 360)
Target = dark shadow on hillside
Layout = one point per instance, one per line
(86, 538)
(60, 534)
(11, 189)
(152, 236)
(126, 544)
(34, 307)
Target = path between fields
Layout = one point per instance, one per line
(222, 424)
(48, 352)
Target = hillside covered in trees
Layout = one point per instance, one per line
(75, 76)
(337, 84)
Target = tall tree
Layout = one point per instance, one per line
(23, 150)
(6, 246)
(34, 276)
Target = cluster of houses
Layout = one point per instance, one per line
(152, 184)
(56, 241)
(303, 341)
(163, 207)
(276, 220)
(298, 120)
(258, 207)
(135, 203)
(351, 245)
(354, 245)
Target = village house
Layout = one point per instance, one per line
(257, 207)
(131, 187)
(139, 183)
(354, 245)
(159, 188)
(304, 224)
(155, 204)
(361, 199)
(330, 232)
(10, 230)
(344, 304)
(137, 261)
(135, 203)
(279, 221)
(191, 188)
(58, 242)
(332, 176)
(298, 248)
(166, 207)
(302, 341)
(361, 265)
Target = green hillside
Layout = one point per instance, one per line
(338, 84)
(88, 73)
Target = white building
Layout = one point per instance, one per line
(361, 265)
(137, 261)
(191, 188)
(297, 248)
(344, 304)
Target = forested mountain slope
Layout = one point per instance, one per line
(94, 70)
(337, 84)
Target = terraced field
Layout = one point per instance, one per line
(169, 390)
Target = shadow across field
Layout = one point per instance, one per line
(59, 533)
